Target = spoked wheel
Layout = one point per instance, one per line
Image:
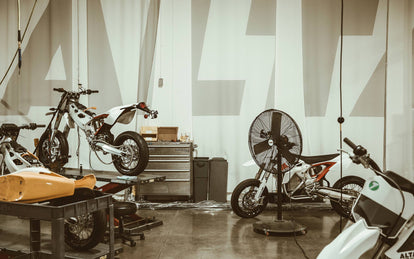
(242, 199)
(136, 154)
(351, 186)
(85, 231)
(53, 154)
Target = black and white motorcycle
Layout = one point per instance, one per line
(129, 150)
(13, 156)
(384, 214)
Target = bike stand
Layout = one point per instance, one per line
(279, 227)
(134, 225)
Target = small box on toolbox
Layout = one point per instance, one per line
(167, 133)
(149, 133)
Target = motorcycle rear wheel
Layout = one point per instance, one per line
(350, 185)
(136, 159)
(242, 199)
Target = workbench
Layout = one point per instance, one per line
(57, 215)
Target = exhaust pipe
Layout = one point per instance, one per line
(109, 148)
(334, 194)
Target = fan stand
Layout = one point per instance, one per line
(279, 227)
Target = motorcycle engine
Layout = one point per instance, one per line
(293, 183)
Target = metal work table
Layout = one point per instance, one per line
(116, 181)
(57, 216)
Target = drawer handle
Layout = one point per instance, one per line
(173, 161)
(166, 170)
(177, 180)
(153, 155)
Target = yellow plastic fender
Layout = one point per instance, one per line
(39, 184)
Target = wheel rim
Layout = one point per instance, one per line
(246, 200)
(81, 227)
(131, 157)
(52, 151)
(351, 189)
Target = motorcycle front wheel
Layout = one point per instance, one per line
(242, 199)
(136, 154)
(53, 155)
(351, 185)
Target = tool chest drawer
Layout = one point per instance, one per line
(173, 160)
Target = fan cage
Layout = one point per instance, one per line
(288, 127)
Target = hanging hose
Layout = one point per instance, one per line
(341, 118)
(18, 48)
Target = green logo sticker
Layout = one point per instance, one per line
(374, 185)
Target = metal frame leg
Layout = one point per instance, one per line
(58, 238)
(35, 237)
(111, 232)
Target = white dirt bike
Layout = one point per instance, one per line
(384, 213)
(129, 150)
(81, 233)
(308, 179)
(13, 156)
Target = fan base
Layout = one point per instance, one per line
(279, 228)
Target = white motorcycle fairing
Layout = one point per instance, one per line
(115, 112)
(353, 242)
(404, 247)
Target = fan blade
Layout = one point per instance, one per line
(291, 158)
(261, 147)
(276, 121)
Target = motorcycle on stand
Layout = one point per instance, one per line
(306, 180)
(303, 177)
(82, 232)
(128, 150)
(384, 214)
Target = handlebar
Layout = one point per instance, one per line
(5, 127)
(350, 143)
(32, 126)
(87, 91)
(358, 150)
(361, 155)
(61, 90)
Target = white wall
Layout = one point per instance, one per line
(266, 65)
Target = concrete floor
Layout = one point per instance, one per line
(208, 233)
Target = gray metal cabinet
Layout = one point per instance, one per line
(175, 161)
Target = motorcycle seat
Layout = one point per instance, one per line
(406, 185)
(318, 159)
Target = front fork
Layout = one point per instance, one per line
(263, 180)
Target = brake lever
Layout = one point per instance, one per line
(343, 151)
(364, 161)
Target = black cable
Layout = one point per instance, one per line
(17, 50)
(384, 158)
(293, 226)
(341, 118)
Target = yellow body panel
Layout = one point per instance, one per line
(34, 186)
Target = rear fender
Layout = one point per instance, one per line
(353, 242)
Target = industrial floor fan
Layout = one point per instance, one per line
(275, 143)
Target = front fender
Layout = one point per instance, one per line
(353, 242)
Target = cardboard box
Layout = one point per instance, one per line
(149, 133)
(167, 133)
